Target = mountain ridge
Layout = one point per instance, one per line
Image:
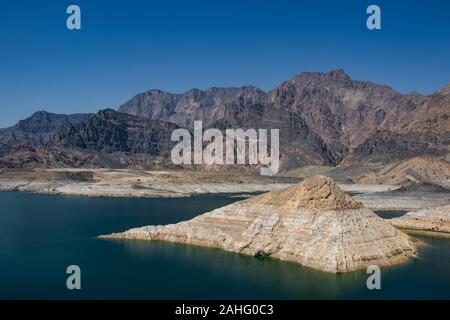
(313, 223)
(324, 119)
(36, 130)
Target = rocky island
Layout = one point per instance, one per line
(313, 223)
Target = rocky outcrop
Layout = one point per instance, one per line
(313, 223)
(432, 221)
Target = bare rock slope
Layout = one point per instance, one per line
(36, 130)
(324, 119)
(433, 221)
(313, 223)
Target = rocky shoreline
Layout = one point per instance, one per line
(133, 183)
(151, 184)
(313, 223)
(433, 222)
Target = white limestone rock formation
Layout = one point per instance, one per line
(313, 223)
(432, 221)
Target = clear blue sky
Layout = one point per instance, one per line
(126, 47)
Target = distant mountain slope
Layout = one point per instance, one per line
(425, 130)
(423, 169)
(26, 157)
(244, 107)
(209, 106)
(36, 130)
(337, 108)
(299, 145)
(325, 119)
(111, 131)
(344, 113)
(107, 139)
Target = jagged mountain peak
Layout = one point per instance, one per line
(317, 236)
(40, 113)
(45, 122)
(36, 130)
(246, 88)
(338, 74)
(333, 75)
(108, 113)
(198, 91)
(111, 131)
(323, 117)
(155, 92)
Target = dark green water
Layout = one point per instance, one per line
(388, 214)
(41, 235)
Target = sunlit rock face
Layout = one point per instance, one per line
(313, 223)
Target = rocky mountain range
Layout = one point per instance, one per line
(324, 119)
(37, 130)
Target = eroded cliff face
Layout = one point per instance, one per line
(313, 223)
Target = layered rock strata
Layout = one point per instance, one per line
(313, 223)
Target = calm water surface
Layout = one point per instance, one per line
(41, 235)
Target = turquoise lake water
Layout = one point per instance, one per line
(41, 235)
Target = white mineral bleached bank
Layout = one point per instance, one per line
(313, 223)
(433, 222)
(157, 189)
(140, 184)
